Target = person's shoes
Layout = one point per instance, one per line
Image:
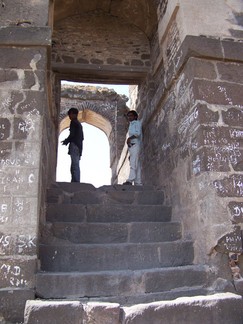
(127, 183)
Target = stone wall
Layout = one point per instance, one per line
(99, 31)
(191, 109)
(24, 153)
(189, 75)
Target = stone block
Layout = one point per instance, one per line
(150, 198)
(197, 47)
(102, 313)
(17, 244)
(239, 286)
(5, 153)
(86, 198)
(236, 210)
(200, 68)
(91, 233)
(16, 182)
(28, 128)
(12, 304)
(5, 210)
(23, 58)
(218, 93)
(231, 72)
(49, 312)
(231, 186)
(127, 286)
(5, 128)
(210, 159)
(233, 117)
(200, 114)
(25, 154)
(118, 197)
(21, 207)
(17, 273)
(224, 308)
(65, 213)
(104, 257)
(232, 50)
(24, 13)
(128, 213)
(94, 284)
(174, 277)
(154, 232)
(34, 80)
(231, 242)
(32, 103)
(116, 232)
(32, 36)
(8, 75)
(219, 136)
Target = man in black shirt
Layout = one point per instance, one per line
(75, 141)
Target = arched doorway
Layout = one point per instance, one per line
(95, 161)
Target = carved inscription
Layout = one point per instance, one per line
(233, 116)
(230, 187)
(236, 210)
(18, 181)
(17, 273)
(196, 165)
(231, 242)
(13, 275)
(4, 210)
(21, 244)
(187, 122)
(4, 128)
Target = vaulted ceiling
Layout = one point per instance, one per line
(140, 13)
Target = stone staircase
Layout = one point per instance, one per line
(114, 244)
(112, 255)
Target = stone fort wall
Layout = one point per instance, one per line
(185, 58)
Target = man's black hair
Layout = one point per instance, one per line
(73, 111)
(135, 114)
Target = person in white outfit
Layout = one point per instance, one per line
(134, 142)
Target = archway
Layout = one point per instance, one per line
(95, 161)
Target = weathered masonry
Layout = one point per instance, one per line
(184, 62)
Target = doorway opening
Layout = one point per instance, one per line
(95, 163)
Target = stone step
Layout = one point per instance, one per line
(150, 297)
(107, 213)
(100, 233)
(65, 257)
(224, 308)
(87, 194)
(120, 285)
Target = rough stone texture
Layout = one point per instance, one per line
(218, 308)
(187, 60)
(193, 137)
(24, 41)
(224, 308)
(17, 273)
(50, 312)
(12, 304)
(67, 47)
(24, 13)
(101, 313)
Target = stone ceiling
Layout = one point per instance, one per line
(141, 13)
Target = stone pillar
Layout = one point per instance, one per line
(25, 39)
(193, 118)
